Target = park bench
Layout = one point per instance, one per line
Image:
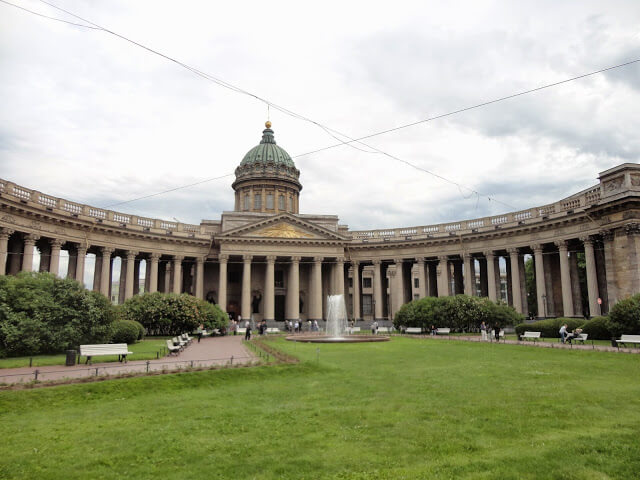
(242, 330)
(632, 339)
(273, 330)
(173, 349)
(186, 338)
(120, 349)
(179, 342)
(355, 329)
(413, 330)
(535, 336)
(443, 331)
(384, 329)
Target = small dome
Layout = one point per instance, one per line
(267, 152)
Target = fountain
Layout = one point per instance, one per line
(336, 330)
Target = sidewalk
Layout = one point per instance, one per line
(528, 343)
(208, 352)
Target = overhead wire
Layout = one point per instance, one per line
(328, 130)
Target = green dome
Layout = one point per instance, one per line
(267, 152)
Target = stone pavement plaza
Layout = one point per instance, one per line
(210, 351)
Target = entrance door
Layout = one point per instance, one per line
(279, 308)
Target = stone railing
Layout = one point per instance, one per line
(61, 206)
(569, 205)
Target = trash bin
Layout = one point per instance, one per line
(71, 358)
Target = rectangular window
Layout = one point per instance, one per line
(269, 201)
(416, 283)
(350, 282)
(247, 201)
(257, 202)
(281, 203)
(367, 302)
(416, 296)
(366, 282)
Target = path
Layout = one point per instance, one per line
(210, 351)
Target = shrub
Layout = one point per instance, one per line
(141, 330)
(625, 316)
(550, 327)
(598, 328)
(40, 313)
(124, 331)
(462, 313)
(172, 314)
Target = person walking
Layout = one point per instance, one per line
(496, 331)
(563, 332)
(247, 332)
(483, 331)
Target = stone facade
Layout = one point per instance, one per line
(278, 264)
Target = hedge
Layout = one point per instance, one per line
(172, 314)
(40, 313)
(550, 327)
(460, 313)
(598, 328)
(125, 331)
(625, 316)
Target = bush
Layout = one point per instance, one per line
(550, 327)
(598, 328)
(625, 316)
(172, 314)
(461, 313)
(40, 313)
(124, 331)
(141, 330)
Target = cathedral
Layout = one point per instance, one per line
(266, 260)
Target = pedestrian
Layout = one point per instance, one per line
(563, 332)
(496, 331)
(247, 332)
(316, 328)
(483, 331)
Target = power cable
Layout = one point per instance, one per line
(50, 18)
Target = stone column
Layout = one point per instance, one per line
(565, 279)
(167, 277)
(130, 279)
(122, 283)
(245, 309)
(592, 279)
(340, 276)
(222, 281)
(377, 289)
(612, 294)
(523, 285)
(443, 276)
(153, 272)
(27, 256)
(293, 290)
(315, 309)
(398, 291)
(469, 279)
(356, 290)
(422, 278)
(177, 274)
(516, 288)
(199, 278)
(5, 233)
(81, 253)
(491, 275)
(541, 287)
(54, 261)
(269, 289)
(105, 271)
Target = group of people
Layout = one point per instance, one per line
(485, 331)
(298, 326)
(566, 336)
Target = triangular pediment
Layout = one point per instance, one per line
(283, 227)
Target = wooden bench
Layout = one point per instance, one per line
(120, 349)
(353, 329)
(384, 329)
(172, 349)
(535, 336)
(632, 339)
(443, 331)
(413, 330)
(273, 330)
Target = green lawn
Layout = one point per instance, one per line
(405, 409)
(145, 350)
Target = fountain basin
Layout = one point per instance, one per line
(343, 339)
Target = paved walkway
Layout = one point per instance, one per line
(210, 351)
(529, 343)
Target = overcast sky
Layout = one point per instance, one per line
(89, 117)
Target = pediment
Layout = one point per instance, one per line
(283, 227)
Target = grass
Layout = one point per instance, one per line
(145, 350)
(404, 409)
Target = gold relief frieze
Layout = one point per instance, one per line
(282, 230)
